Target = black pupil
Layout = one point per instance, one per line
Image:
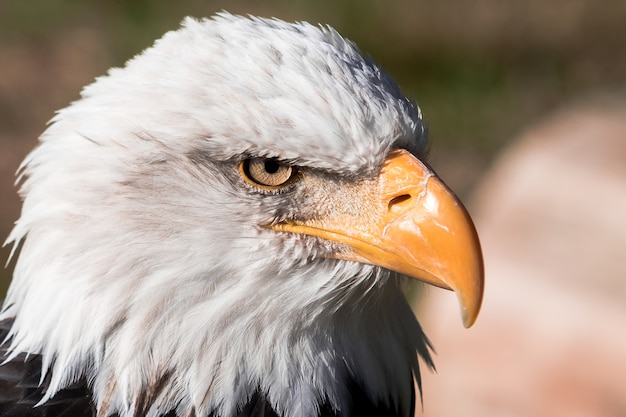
(271, 166)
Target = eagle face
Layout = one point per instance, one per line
(232, 215)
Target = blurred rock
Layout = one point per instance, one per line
(551, 338)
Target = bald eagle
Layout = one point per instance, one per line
(223, 228)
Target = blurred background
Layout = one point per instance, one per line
(526, 106)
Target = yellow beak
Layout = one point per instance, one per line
(408, 221)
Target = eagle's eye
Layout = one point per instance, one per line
(266, 173)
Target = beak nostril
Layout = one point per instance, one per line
(397, 201)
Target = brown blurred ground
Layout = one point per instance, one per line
(551, 339)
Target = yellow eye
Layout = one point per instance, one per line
(266, 173)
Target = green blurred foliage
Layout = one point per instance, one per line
(482, 70)
(460, 59)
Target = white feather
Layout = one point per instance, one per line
(141, 259)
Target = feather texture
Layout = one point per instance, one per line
(145, 274)
(21, 389)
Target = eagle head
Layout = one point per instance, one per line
(232, 215)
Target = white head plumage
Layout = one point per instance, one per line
(144, 261)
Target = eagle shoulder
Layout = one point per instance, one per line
(21, 390)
